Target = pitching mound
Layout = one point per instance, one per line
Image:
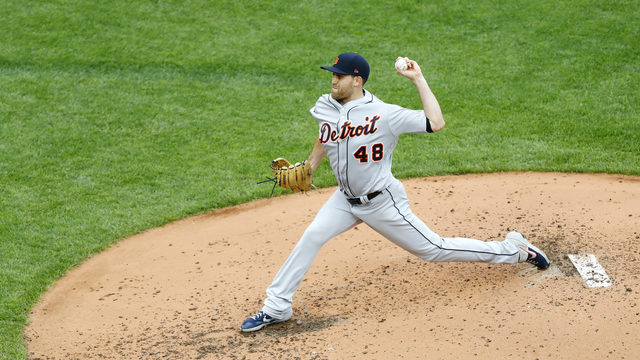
(182, 291)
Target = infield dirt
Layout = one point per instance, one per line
(181, 291)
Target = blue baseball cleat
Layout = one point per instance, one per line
(260, 320)
(528, 252)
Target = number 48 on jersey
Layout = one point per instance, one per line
(362, 154)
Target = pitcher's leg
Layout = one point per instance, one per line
(333, 219)
(394, 220)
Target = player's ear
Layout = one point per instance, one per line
(359, 81)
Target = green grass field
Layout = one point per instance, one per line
(119, 116)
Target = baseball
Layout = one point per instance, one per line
(401, 64)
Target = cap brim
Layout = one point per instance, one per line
(335, 70)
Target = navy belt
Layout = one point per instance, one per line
(357, 201)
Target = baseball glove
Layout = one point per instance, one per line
(296, 177)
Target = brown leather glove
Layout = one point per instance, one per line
(296, 177)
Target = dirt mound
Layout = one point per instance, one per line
(182, 291)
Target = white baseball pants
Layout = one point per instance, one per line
(388, 214)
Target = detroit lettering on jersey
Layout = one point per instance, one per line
(346, 130)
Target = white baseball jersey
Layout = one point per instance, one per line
(359, 139)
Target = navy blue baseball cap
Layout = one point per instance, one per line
(350, 64)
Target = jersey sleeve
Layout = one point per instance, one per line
(404, 121)
(324, 110)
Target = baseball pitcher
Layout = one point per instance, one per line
(358, 133)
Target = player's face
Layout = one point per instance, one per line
(343, 87)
